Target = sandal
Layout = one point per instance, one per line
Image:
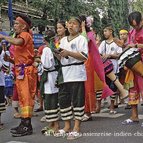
(49, 132)
(129, 122)
(86, 118)
(113, 112)
(44, 129)
(73, 135)
(61, 133)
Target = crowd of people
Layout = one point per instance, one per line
(71, 73)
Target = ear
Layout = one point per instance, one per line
(24, 27)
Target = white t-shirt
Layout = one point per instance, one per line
(74, 73)
(110, 48)
(48, 62)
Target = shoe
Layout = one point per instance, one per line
(38, 110)
(25, 128)
(61, 133)
(22, 131)
(86, 118)
(73, 135)
(43, 119)
(128, 106)
(49, 132)
(129, 122)
(113, 112)
(13, 130)
(45, 129)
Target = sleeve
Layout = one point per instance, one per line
(102, 47)
(46, 58)
(83, 47)
(119, 50)
(62, 43)
(25, 36)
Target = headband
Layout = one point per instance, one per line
(22, 21)
(123, 31)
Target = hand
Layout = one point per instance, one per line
(38, 60)
(104, 57)
(83, 24)
(35, 64)
(119, 42)
(64, 53)
(131, 46)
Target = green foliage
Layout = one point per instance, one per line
(118, 13)
(137, 5)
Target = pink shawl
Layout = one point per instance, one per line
(98, 64)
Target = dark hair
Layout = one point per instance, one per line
(109, 27)
(26, 19)
(135, 16)
(76, 18)
(49, 34)
(63, 23)
(83, 18)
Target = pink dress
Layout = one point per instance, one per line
(136, 37)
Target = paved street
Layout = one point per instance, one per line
(104, 128)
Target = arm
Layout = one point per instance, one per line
(14, 41)
(46, 58)
(139, 45)
(81, 51)
(113, 56)
(76, 55)
(57, 56)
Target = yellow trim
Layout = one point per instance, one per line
(123, 31)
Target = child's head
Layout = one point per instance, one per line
(74, 25)
(135, 20)
(49, 35)
(108, 31)
(123, 33)
(61, 28)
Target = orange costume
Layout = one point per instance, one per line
(26, 74)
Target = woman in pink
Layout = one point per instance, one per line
(135, 40)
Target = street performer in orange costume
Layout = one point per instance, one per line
(26, 73)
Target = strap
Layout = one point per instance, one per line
(47, 70)
(73, 64)
(114, 79)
